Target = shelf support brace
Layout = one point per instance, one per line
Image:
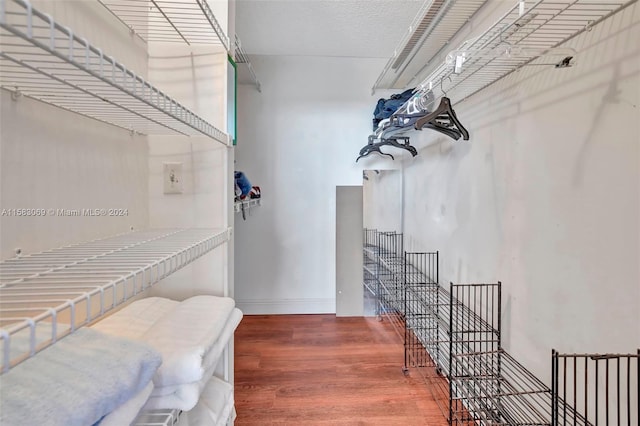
(16, 94)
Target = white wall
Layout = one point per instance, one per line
(383, 200)
(544, 197)
(54, 159)
(196, 77)
(297, 140)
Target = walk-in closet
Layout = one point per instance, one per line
(319, 212)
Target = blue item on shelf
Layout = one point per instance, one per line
(242, 184)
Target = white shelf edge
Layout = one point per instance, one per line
(47, 296)
(48, 62)
(246, 205)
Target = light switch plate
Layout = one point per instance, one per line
(172, 178)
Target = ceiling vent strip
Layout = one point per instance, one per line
(419, 32)
(436, 23)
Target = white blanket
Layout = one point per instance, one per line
(125, 414)
(77, 381)
(185, 336)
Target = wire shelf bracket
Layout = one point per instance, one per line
(44, 60)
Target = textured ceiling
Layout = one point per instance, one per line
(349, 28)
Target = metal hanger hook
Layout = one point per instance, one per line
(442, 88)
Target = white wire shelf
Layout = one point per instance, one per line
(158, 418)
(530, 33)
(435, 24)
(180, 21)
(242, 58)
(44, 60)
(48, 295)
(246, 205)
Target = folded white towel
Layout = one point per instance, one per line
(125, 414)
(185, 336)
(135, 319)
(77, 381)
(214, 407)
(213, 356)
(182, 397)
(185, 396)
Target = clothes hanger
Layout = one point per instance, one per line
(368, 149)
(452, 132)
(446, 112)
(405, 145)
(375, 147)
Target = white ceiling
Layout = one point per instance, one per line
(347, 28)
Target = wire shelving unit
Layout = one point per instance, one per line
(176, 21)
(45, 60)
(529, 33)
(158, 418)
(242, 58)
(48, 295)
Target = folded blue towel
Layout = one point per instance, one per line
(77, 381)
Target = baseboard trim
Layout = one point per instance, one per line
(286, 306)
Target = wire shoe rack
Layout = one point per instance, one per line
(453, 339)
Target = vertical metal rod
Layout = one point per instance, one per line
(451, 353)
(606, 392)
(554, 386)
(637, 383)
(596, 394)
(586, 387)
(406, 311)
(629, 391)
(474, 327)
(499, 335)
(618, 390)
(575, 396)
(499, 315)
(564, 390)
(436, 309)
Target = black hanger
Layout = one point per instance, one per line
(444, 112)
(452, 132)
(369, 148)
(405, 145)
(372, 146)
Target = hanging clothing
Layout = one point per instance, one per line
(386, 107)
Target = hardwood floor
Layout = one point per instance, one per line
(323, 370)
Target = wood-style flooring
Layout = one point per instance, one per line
(323, 370)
